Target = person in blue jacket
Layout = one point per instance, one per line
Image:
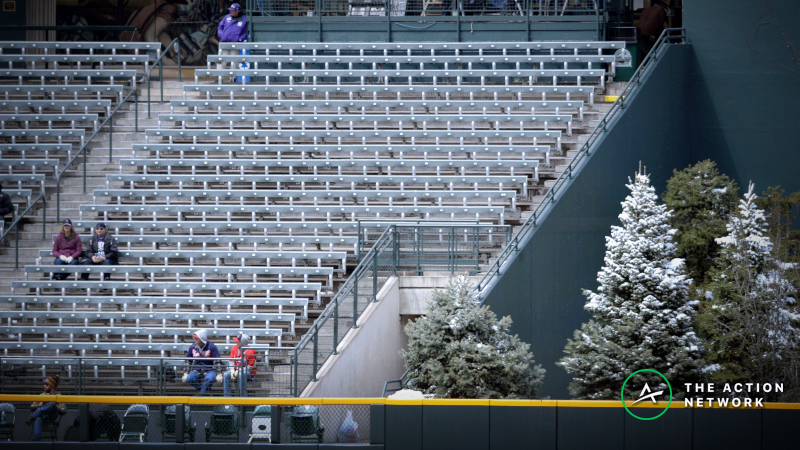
(232, 28)
(204, 371)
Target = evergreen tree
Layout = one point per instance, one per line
(779, 211)
(642, 316)
(750, 320)
(460, 350)
(701, 201)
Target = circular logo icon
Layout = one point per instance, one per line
(646, 394)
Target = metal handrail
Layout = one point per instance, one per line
(15, 225)
(160, 62)
(400, 382)
(545, 205)
(110, 121)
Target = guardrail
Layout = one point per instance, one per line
(668, 36)
(400, 384)
(424, 14)
(138, 375)
(397, 247)
(160, 62)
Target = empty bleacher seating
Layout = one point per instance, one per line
(241, 210)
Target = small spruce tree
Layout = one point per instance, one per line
(460, 350)
(750, 321)
(641, 313)
(701, 201)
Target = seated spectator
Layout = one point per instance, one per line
(242, 340)
(102, 250)
(204, 372)
(67, 247)
(46, 411)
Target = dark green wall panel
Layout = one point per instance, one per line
(403, 427)
(565, 253)
(669, 432)
(590, 428)
(522, 428)
(727, 428)
(455, 427)
(746, 114)
(779, 428)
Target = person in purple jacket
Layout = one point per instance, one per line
(204, 371)
(232, 28)
(67, 247)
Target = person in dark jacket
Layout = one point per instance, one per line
(102, 250)
(232, 28)
(67, 247)
(204, 371)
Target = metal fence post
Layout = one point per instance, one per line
(375, 274)
(83, 418)
(394, 250)
(180, 417)
(335, 327)
(110, 138)
(355, 299)
(316, 341)
(295, 372)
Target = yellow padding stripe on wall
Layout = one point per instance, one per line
(157, 400)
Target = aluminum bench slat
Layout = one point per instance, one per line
(442, 147)
(134, 300)
(333, 46)
(301, 193)
(359, 133)
(145, 315)
(482, 163)
(449, 117)
(222, 285)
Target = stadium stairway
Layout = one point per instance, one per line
(72, 195)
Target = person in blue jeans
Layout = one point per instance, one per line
(45, 411)
(204, 371)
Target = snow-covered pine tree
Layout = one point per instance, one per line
(642, 316)
(460, 350)
(701, 200)
(750, 321)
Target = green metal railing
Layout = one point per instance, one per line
(121, 375)
(399, 247)
(160, 62)
(400, 382)
(422, 15)
(668, 36)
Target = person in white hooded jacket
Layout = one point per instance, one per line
(204, 371)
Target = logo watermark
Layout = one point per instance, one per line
(646, 394)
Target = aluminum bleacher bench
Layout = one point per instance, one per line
(230, 239)
(213, 225)
(55, 104)
(136, 331)
(371, 132)
(46, 117)
(313, 178)
(440, 147)
(43, 132)
(61, 88)
(75, 58)
(372, 58)
(67, 73)
(305, 193)
(399, 73)
(106, 345)
(308, 209)
(133, 301)
(282, 90)
(22, 178)
(483, 163)
(5, 147)
(17, 164)
(405, 46)
(53, 46)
